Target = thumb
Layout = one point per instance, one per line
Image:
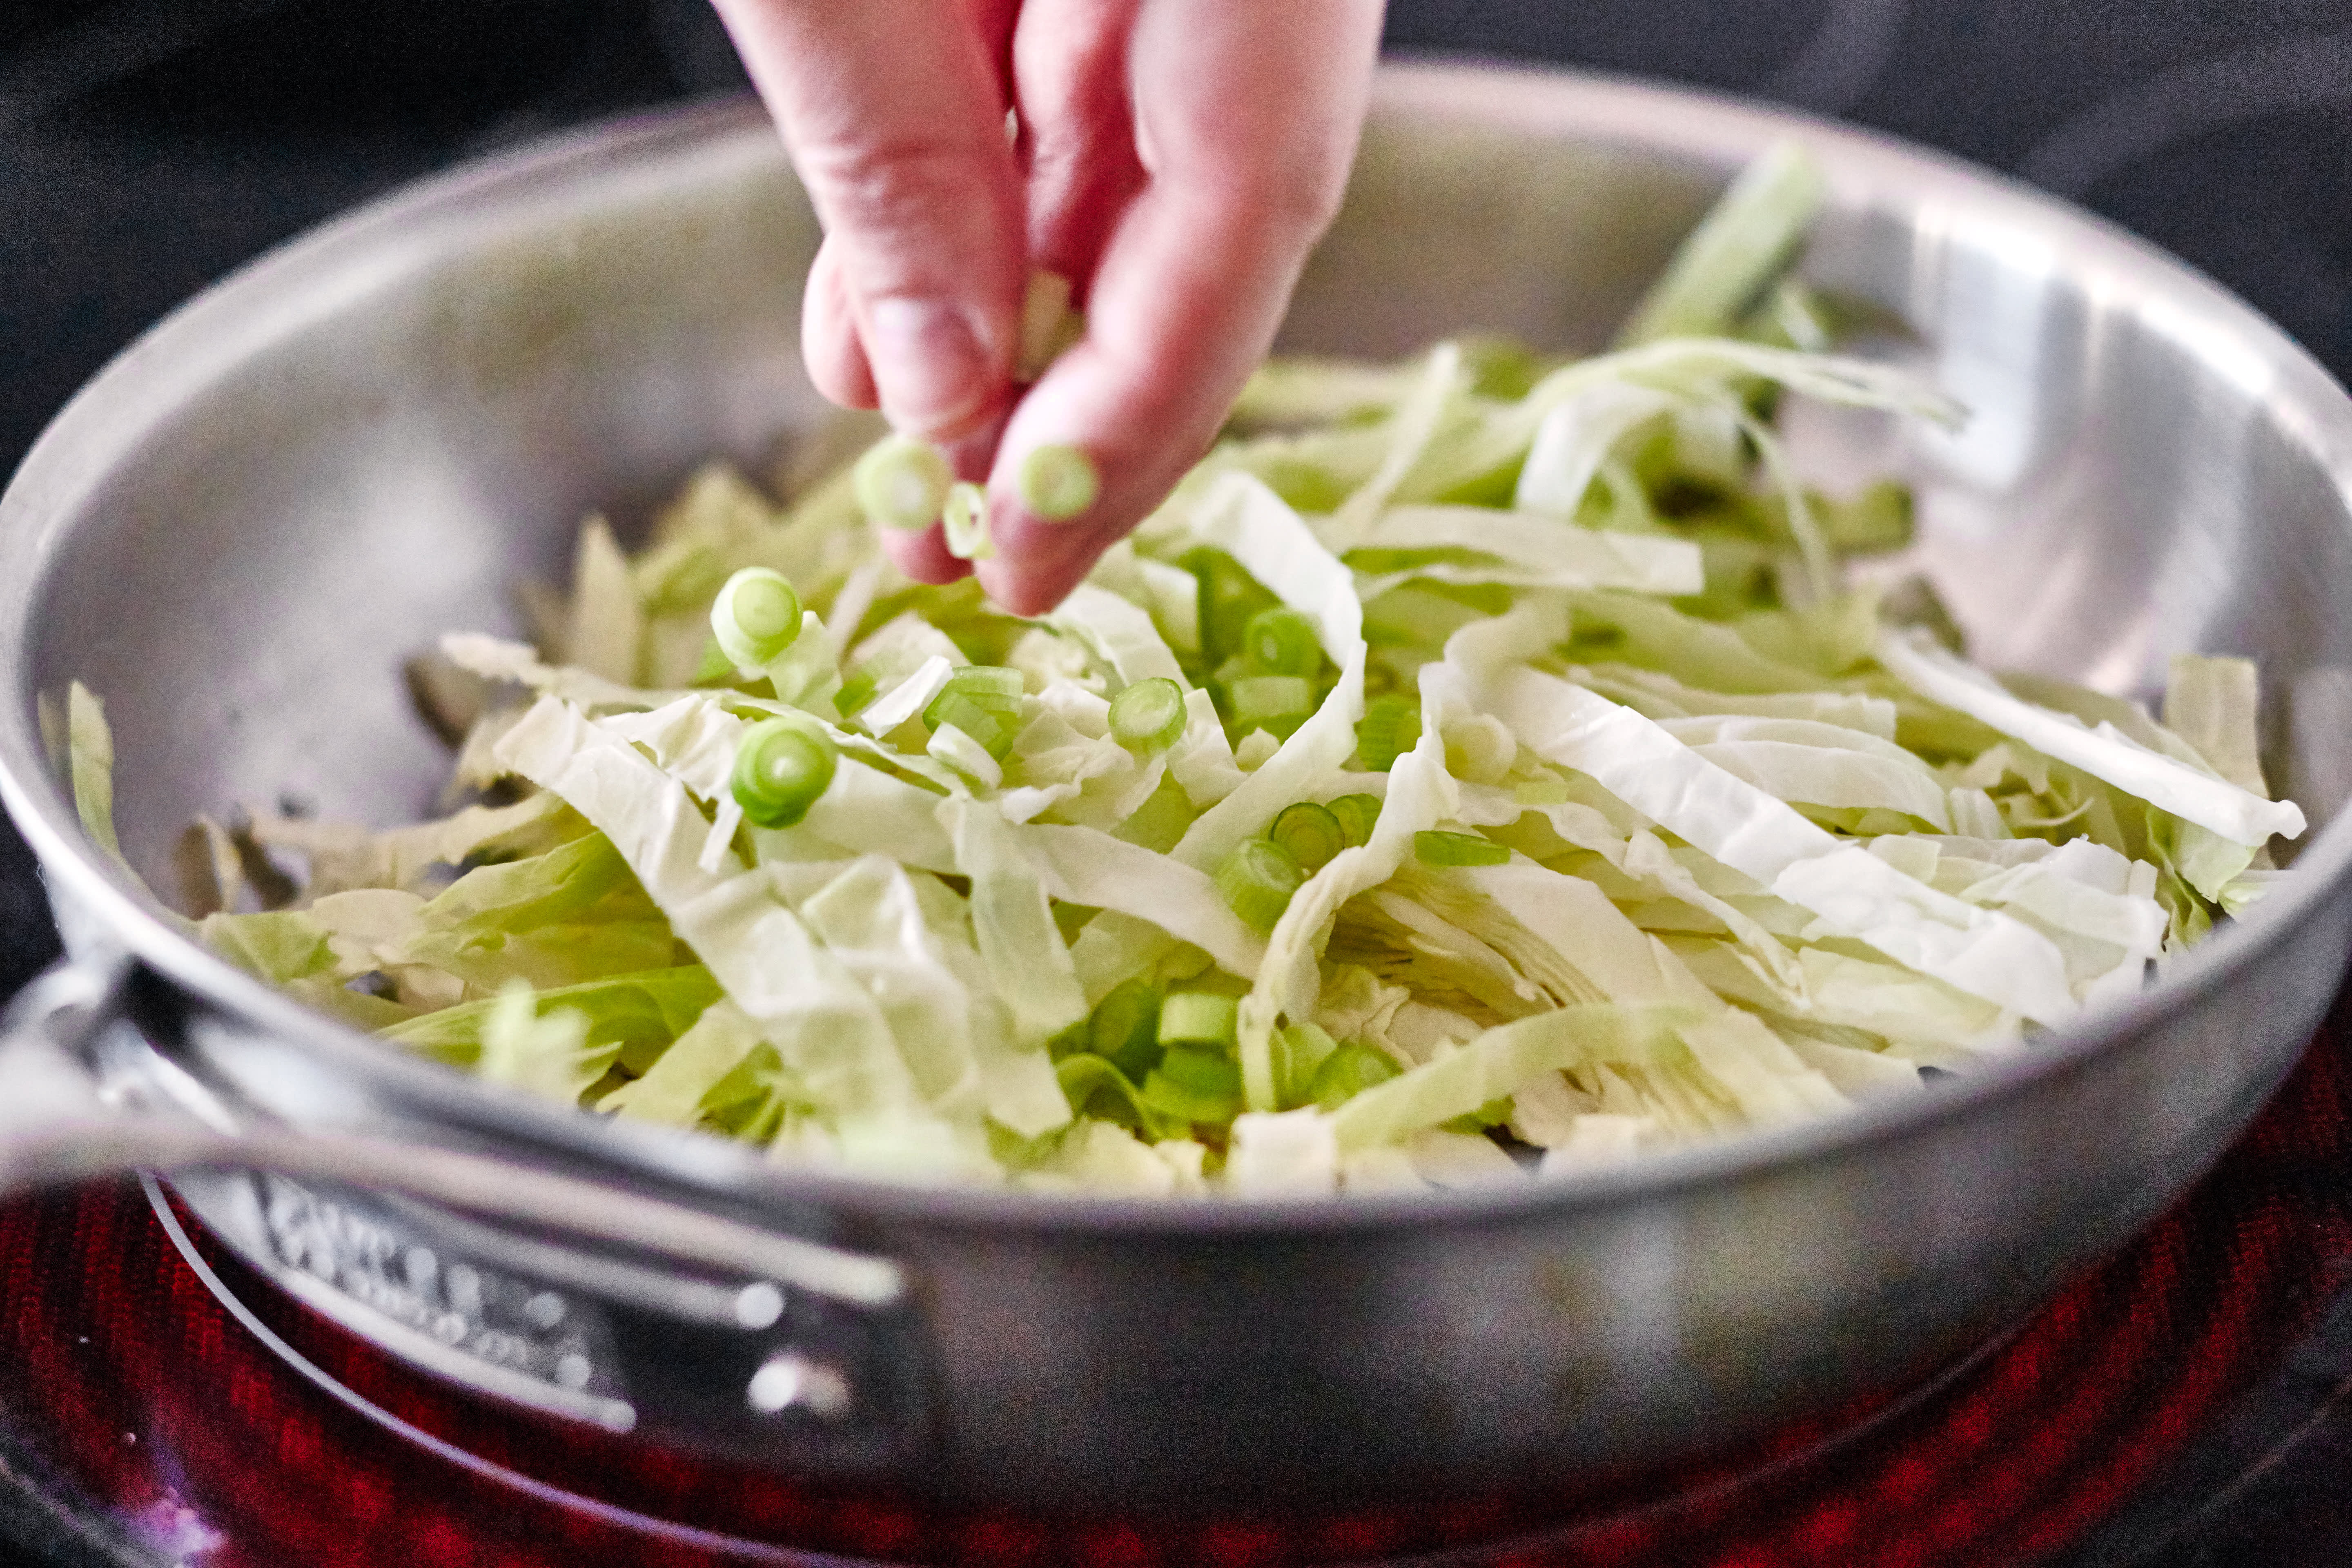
(895, 119)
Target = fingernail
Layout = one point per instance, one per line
(930, 367)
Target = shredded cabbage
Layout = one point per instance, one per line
(1631, 825)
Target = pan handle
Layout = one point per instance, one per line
(65, 1118)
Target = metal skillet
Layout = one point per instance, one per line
(238, 530)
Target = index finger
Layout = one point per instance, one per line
(1246, 122)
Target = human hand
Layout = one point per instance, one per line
(1176, 159)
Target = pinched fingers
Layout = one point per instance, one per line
(1246, 122)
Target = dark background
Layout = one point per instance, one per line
(148, 146)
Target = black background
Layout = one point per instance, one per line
(148, 146)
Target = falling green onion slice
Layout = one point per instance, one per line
(756, 616)
(781, 768)
(1390, 728)
(1057, 483)
(1356, 814)
(1276, 702)
(1198, 1017)
(1257, 879)
(1436, 848)
(965, 515)
(1281, 641)
(902, 482)
(1312, 834)
(1148, 715)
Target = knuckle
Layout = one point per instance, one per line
(1292, 196)
(897, 185)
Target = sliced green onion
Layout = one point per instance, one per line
(1057, 483)
(1299, 1052)
(990, 690)
(1257, 879)
(964, 515)
(1149, 715)
(1480, 748)
(756, 616)
(1312, 834)
(1229, 597)
(902, 482)
(1276, 702)
(990, 685)
(781, 766)
(1281, 641)
(1195, 1085)
(1350, 1070)
(1208, 1071)
(994, 730)
(1200, 1018)
(1123, 1029)
(1098, 1087)
(1436, 848)
(1390, 728)
(1356, 814)
(1493, 1113)
(858, 688)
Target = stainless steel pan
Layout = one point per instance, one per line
(237, 531)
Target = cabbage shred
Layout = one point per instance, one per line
(1616, 818)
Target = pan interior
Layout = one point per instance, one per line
(376, 436)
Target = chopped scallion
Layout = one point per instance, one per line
(1257, 879)
(1312, 834)
(902, 482)
(1123, 1029)
(1194, 1086)
(1229, 597)
(1350, 1070)
(1198, 1017)
(1281, 641)
(995, 686)
(1202, 1071)
(756, 616)
(1057, 483)
(1356, 814)
(964, 514)
(781, 767)
(1149, 715)
(992, 728)
(1390, 728)
(1438, 848)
